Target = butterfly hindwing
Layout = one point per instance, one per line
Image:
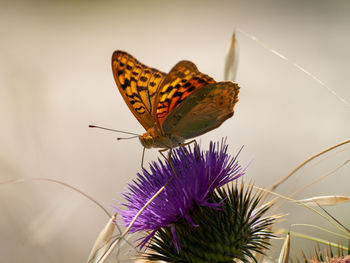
(182, 80)
(138, 85)
(204, 110)
(184, 103)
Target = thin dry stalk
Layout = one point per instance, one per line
(274, 187)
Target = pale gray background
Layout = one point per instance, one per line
(55, 79)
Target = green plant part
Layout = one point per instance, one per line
(237, 230)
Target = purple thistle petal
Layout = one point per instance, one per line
(196, 179)
(145, 240)
(176, 241)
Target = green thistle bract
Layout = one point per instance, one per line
(235, 231)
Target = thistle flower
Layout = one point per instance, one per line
(341, 256)
(345, 259)
(195, 219)
(198, 174)
(236, 231)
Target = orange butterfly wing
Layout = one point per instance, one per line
(184, 102)
(139, 86)
(182, 80)
(202, 111)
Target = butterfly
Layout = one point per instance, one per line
(173, 107)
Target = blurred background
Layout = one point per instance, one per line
(56, 79)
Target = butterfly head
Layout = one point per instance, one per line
(146, 140)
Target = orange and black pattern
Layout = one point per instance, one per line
(182, 81)
(138, 85)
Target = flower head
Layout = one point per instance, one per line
(239, 230)
(328, 256)
(345, 259)
(197, 175)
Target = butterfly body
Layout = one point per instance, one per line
(154, 138)
(172, 107)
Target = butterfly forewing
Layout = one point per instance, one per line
(204, 110)
(138, 85)
(182, 80)
(173, 107)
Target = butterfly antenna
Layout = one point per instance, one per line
(103, 128)
(127, 138)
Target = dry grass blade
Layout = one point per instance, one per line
(273, 187)
(231, 61)
(284, 255)
(116, 242)
(322, 229)
(336, 220)
(303, 204)
(103, 241)
(312, 183)
(60, 183)
(312, 238)
(294, 64)
(327, 200)
(321, 178)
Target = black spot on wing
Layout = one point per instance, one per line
(134, 97)
(161, 114)
(141, 88)
(177, 94)
(140, 110)
(143, 78)
(125, 84)
(167, 90)
(190, 89)
(157, 75)
(162, 106)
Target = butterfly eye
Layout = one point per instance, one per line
(146, 141)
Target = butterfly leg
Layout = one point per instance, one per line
(168, 158)
(143, 156)
(190, 142)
